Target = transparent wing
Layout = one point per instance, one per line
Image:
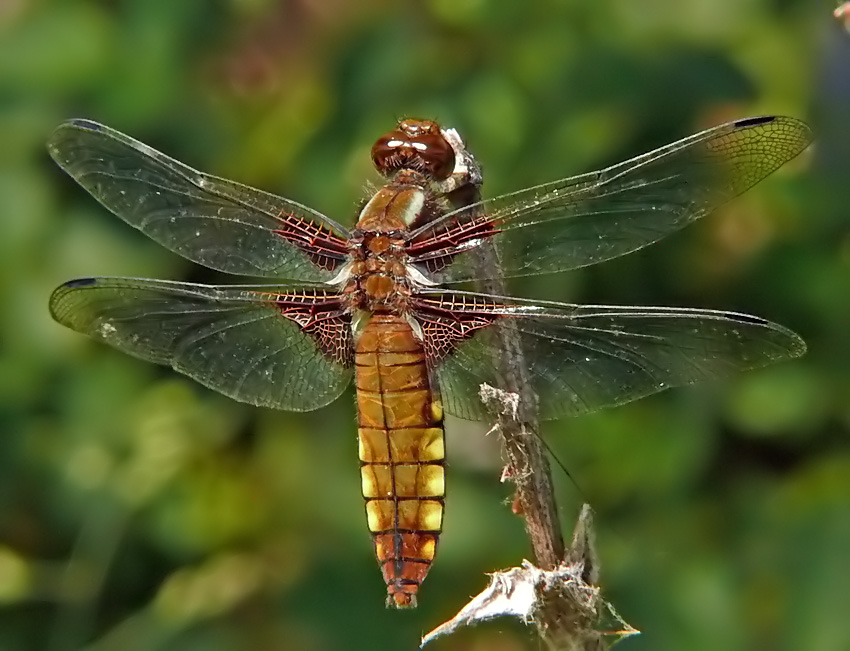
(209, 220)
(267, 345)
(581, 358)
(586, 219)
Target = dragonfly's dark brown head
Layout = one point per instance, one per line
(415, 144)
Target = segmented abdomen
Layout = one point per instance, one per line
(402, 453)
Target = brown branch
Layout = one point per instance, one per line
(528, 467)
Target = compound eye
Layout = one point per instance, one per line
(415, 144)
(437, 154)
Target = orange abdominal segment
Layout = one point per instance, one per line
(402, 454)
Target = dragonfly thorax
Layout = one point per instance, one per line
(378, 278)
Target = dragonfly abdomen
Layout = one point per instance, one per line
(402, 453)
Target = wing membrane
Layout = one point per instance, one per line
(581, 358)
(233, 339)
(215, 222)
(582, 220)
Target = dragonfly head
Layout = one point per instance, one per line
(415, 144)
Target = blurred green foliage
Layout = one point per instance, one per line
(140, 511)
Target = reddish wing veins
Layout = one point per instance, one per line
(320, 314)
(324, 247)
(437, 250)
(444, 326)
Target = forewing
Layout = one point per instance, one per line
(209, 220)
(581, 358)
(586, 219)
(270, 346)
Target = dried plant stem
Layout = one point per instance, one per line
(527, 464)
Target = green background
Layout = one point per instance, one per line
(141, 511)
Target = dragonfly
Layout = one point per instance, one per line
(388, 303)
